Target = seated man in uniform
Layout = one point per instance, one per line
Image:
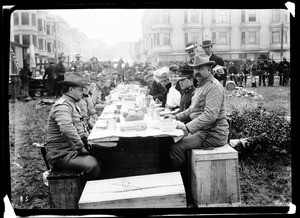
(207, 123)
(67, 134)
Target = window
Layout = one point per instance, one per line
(155, 19)
(34, 40)
(252, 37)
(40, 24)
(16, 19)
(49, 47)
(243, 15)
(252, 16)
(166, 16)
(167, 39)
(44, 24)
(214, 37)
(186, 38)
(194, 16)
(243, 56)
(41, 44)
(214, 16)
(243, 38)
(275, 36)
(185, 17)
(284, 36)
(156, 39)
(26, 39)
(48, 30)
(33, 19)
(17, 38)
(223, 37)
(25, 18)
(195, 37)
(276, 15)
(222, 16)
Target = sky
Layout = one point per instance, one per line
(109, 25)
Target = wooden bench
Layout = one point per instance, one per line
(162, 190)
(65, 186)
(215, 177)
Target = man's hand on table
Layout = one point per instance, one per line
(169, 116)
(182, 126)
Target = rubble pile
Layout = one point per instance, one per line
(242, 92)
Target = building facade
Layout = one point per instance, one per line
(236, 34)
(49, 34)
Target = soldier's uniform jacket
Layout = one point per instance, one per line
(186, 98)
(86, 106)
(65, 130)
(78, 66)
(207, 110)
(59, 69)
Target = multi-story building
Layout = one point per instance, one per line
(236, 34)
(49, 34)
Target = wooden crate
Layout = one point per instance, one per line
(162, 190)
(215, 177)
(65, 188)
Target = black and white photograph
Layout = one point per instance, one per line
(149, 108)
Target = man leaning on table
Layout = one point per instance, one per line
(67, 133)
(206, 123)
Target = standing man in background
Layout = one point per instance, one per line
(207, 46)
(77, 66)
(59, 71)
(49, 73)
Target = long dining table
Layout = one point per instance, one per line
(129, 148)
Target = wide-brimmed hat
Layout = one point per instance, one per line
(231, 63)
(201, 61)
(190, 46)
(161, 74)
(206, 43)
(101, 76)
(174, 67)
(93, 76)
(78, 56)
(73, 79)
(87, 78)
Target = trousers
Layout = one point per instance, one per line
(201, 139)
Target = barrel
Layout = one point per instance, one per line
(230, 85)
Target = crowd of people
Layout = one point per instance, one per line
(195, 89)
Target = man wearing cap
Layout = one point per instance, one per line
(253, 72)
(185, 80)
(207, 45)
(86, 104)
(59, 71)
(94, 66)
(232, 71)
(66, 133)
(77, 66)
(161, 79)
(49, 73)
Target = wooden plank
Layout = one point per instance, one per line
(232, 180)
(202, 172)
(218, 182)
(135, 191)
(224, 152)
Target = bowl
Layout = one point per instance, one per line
(170, 127)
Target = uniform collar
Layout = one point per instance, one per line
(70, 98)
(209, 78)
(189, 88)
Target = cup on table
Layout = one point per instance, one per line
(119, 106)
(111, 124)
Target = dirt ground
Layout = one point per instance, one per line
(259, 187)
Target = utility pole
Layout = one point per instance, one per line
(281, 46)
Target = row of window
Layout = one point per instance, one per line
(222, 37)
(29, 19)
(40, 43)
(218, 16)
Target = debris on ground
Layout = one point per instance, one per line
(242, 92)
